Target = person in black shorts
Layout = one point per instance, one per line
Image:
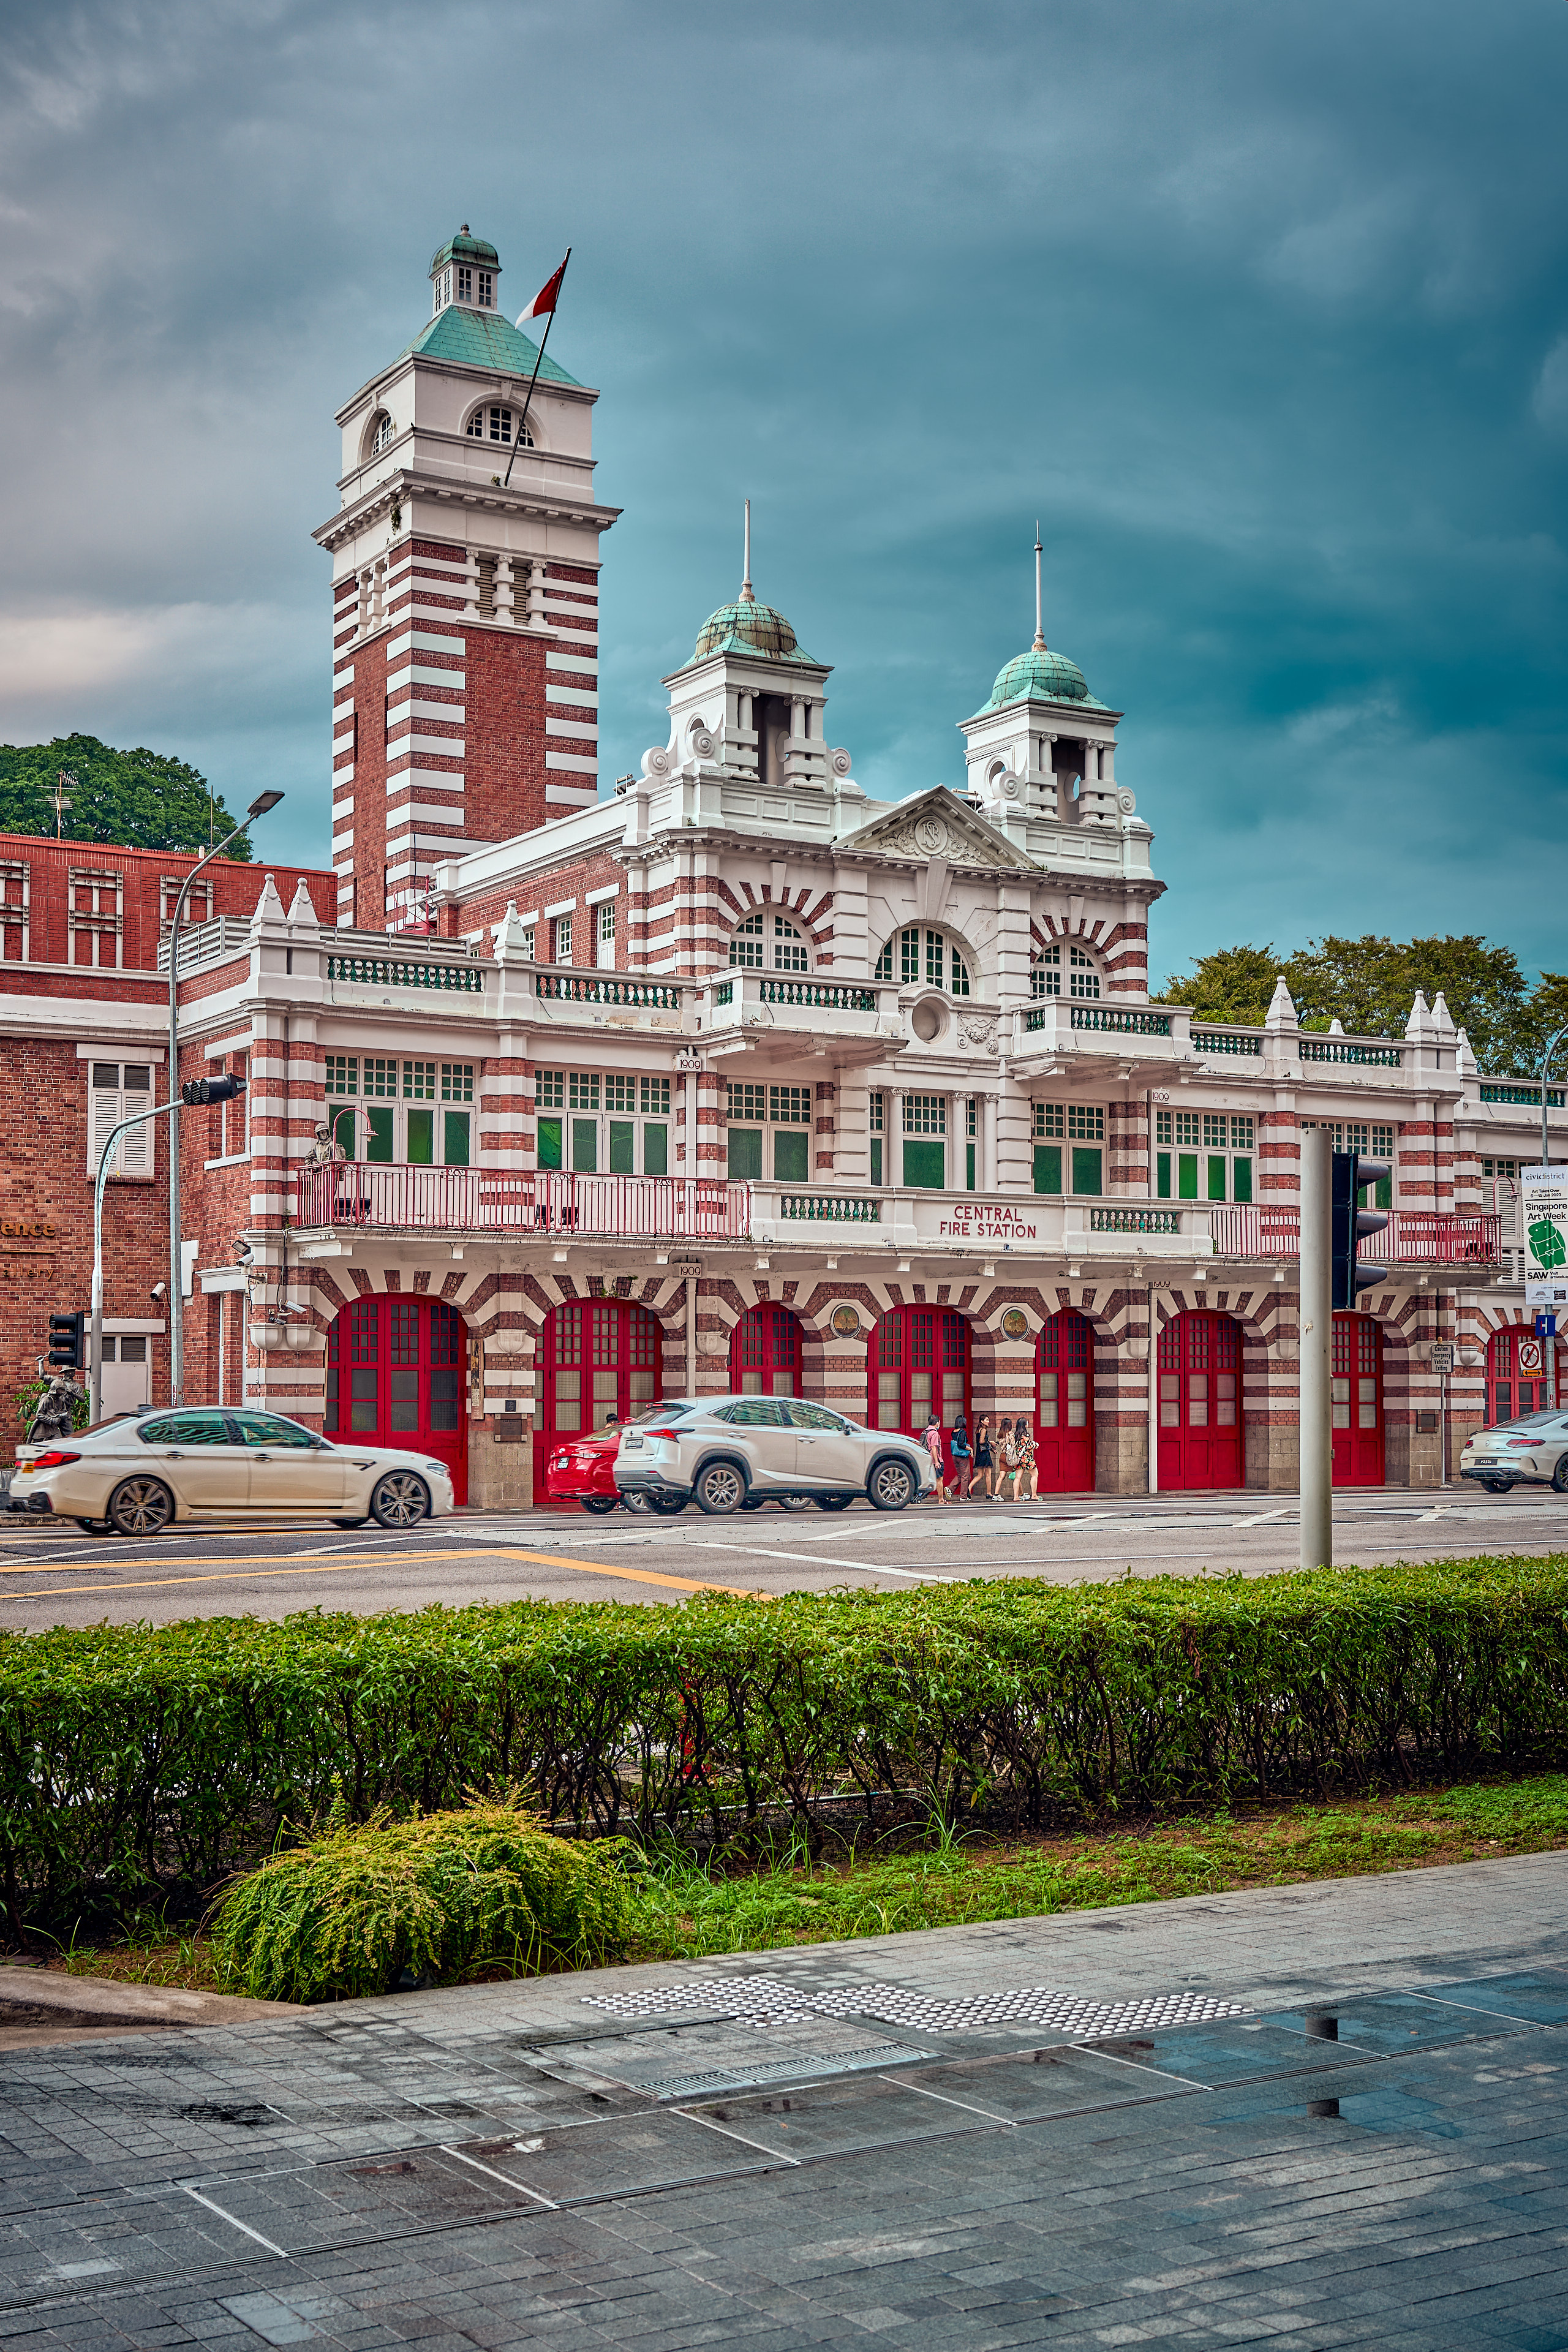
(983, 1457)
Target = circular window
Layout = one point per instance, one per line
(928, 1020)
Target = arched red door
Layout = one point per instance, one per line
(1200, 1400)
(397, 1375)
(1516, 1374)
(918, 1357)
(1357, 1375)
(601, 1357)
(1064, 1415)
(765, 1353)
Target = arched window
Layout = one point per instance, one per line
(379, 434)
(749, 944)
(916, 955)
(1054, 962)
(495, 424)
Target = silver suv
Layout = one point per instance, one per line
(736, 1453)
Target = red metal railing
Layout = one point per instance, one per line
(1412, 1236)
(483, 1201)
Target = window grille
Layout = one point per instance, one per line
(792, 1104)
(1049, 1119)
(465, 285)
(381, 438)
(1083, 979)
(1241, 1134)
(925, 1114)
(457, 1082)
(789, 947)
(528, 944)
(418, 1081)
(380, 1075)
(486, 292)
(746, 942)
(607, 923)
(549, 1090)
(582, 1090)
(342, 1074)
(497, 423)
(620, 1091)
(1161, 1127)
(1046, 975)
(562, 928)
(972, 1116)
(746, 1102)
(655, 1097)
(1086, 1123)
(876, 1100)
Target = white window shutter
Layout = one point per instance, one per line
(105, 1116)
(136, 1149)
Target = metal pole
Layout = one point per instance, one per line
(1154, 1399)
(1317, 1324)
(160, 1111)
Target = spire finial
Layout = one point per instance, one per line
(1039, 645)
(746, 596)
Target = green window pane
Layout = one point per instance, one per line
(378, 1131)
(456, 1137)
(876, 1159)
(343, 1133)
(969, 1166)
(550, 1143)
(1216, 1175)
(1047, 1167)
(1162, 1176)
(790, 1147)
(1086, 1162)
(925, 1164)
(584, 1146)
(421, 1138)
(1186, 1175)
(655, 1149)
(1381, 1193)
(623, 1147)
(746, 1153)
(1241, 1171)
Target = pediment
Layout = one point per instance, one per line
(937, 825)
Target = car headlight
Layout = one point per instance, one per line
(439, 1469)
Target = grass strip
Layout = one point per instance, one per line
(678, 1910)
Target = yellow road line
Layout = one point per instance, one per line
(385, 1559)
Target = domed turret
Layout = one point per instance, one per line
(1042, 675)
(747, 627)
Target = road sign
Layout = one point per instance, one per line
(1546, 1326)
(1442, 1356)
(1546, 1294)
(1543, 1209)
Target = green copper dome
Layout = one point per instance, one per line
(748, 628)
(1039, 675)
(463, 247)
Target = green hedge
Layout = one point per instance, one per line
(138, 1762)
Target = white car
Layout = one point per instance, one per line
(736, 1453)
(136, 1474)
(1530, 1452)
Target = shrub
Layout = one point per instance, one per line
(444, 1895)
(150, 1763)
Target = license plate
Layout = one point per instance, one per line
(632, 1445)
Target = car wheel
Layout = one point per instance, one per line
(634, 1499)
(795, 1502)
(893, 1487)
(597, 1504)
(719, 1489)
(833, 1502)
(141, 1506)
(666, 1506)
(753, 1502)
(1496, 1486)
(401, 1500)
(348, 1523)
(94, 1527)
(1560, 1475)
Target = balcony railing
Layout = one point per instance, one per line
(406, 971)
(829, 996)
(1342, 1049)
(1412, 1236)
(608, 987)
(1228, 1041)
(516, 1202)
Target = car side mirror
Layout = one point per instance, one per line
(318, 1445)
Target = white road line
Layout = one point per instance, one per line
(820, 1559)
(1263, 1517)
(236, 2225)
(1440, 1511)
(517, 2187)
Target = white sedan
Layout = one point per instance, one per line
(138, 1474)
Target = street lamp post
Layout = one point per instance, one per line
(1549, 1352)
(258, 807)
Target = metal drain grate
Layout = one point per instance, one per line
(763, 2002)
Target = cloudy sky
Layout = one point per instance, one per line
(1260, 305)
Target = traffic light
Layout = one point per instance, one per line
(1354, 1174)
(68, 1345)
(197, 1091)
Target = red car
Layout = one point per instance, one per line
(581, 1470)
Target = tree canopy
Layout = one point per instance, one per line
(136, 800)
(1369, 984)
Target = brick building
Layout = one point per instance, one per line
(740, 1079)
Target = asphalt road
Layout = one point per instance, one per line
(52, 1576)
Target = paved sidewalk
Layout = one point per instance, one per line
(1330, 2113)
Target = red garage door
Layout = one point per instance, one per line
(1516, 1374)
(397, 1375)
(918, 1357)
(1200, 1402)
(1064, 1414)
(1357, 1374)
(765, 1353)
(601, 1358)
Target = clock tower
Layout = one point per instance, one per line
(465, 598)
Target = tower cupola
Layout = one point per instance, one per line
(465, 270)
(1041, 744)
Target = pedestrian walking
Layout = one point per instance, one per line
(983, 1457)
(961, 1447)
(1006, 1462)
(1028, 1466)
(930, 1438)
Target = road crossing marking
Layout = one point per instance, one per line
(387, 1559)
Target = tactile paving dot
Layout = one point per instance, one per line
(765, 2000)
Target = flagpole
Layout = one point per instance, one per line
(533, 379)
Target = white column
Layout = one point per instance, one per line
(893, 1147)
